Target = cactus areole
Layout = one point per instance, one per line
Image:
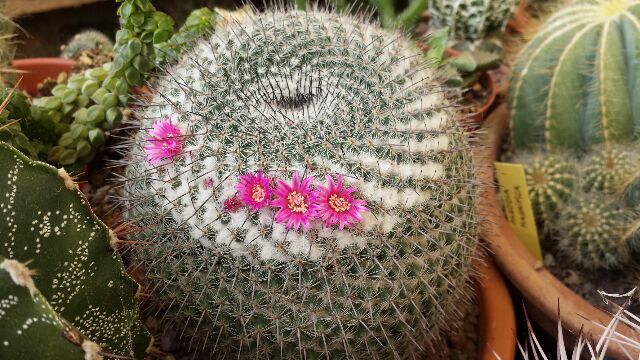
(575, 84)
(293, 96)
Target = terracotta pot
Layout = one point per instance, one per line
(545, 295)
(521, 19)
(497, 325)
(35, 70)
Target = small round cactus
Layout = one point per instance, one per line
(245, 134)
(592, 232)
(608, 170)
(551, 181)
(87, 40)
(471, 19)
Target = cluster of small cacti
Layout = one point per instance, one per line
(471, 20)
(589, 203)
(87, 40)
(572, 84)
(47, 223)
(314, 93)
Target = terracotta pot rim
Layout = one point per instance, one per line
(35, 70)
(546, 296)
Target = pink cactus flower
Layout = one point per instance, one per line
(337, 206)
(297, 202)
(254, 190)
(164, 142)
(232, 204)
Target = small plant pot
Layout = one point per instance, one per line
(33, 71)
(546, 297)
(497, 324)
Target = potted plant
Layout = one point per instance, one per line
(164, 140)
(585, 206)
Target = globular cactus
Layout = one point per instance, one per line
(608, 170)
(471, 19)
(573, 85)
(47, 223)
(31, 329)
(631, 192)
(592, 232)
(551, 182)
(87, 40)
(291, 95)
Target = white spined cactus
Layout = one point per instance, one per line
(312, 93)
(471, 19)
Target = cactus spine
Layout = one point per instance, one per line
(47, 221)
(471, 19)
(574, 85)
(321, 94)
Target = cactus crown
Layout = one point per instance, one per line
(573, 83)
(471, 19)
(320, 94)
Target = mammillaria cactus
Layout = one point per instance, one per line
(573, 85)
(471, 19)
(87, 40)
(47, 223)
(593, 232)
(31, 329)
(276, 118)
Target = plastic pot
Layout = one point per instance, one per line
(35, 70)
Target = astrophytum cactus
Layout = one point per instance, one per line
(471, 19)
(31, 329)
(46, 222)
(219, 182)
(574, 85)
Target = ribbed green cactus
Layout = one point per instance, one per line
(321, 94)
(551, 181)
(609, 170)
(471, 19)
(87, 40)
(45, 221)
(593, 230)
(31, 329)
(574, 85)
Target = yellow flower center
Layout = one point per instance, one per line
(296, 202)
(338, 203)
(257, 193)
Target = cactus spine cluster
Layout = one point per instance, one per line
(471, 19)
(574, 84)
(87, 40)
(320, 94)
(46, 222)
(551, 182)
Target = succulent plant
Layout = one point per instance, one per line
(87, 40)
(298, 94)
(390, 17)
(31, 329)
(89, 103)
(592, 232)
(471, 19)
(631, 192)
(551, 181)
(198, 23)
(608, 170)
(47, 223)
(573, 84)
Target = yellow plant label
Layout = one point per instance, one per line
(517, 205)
